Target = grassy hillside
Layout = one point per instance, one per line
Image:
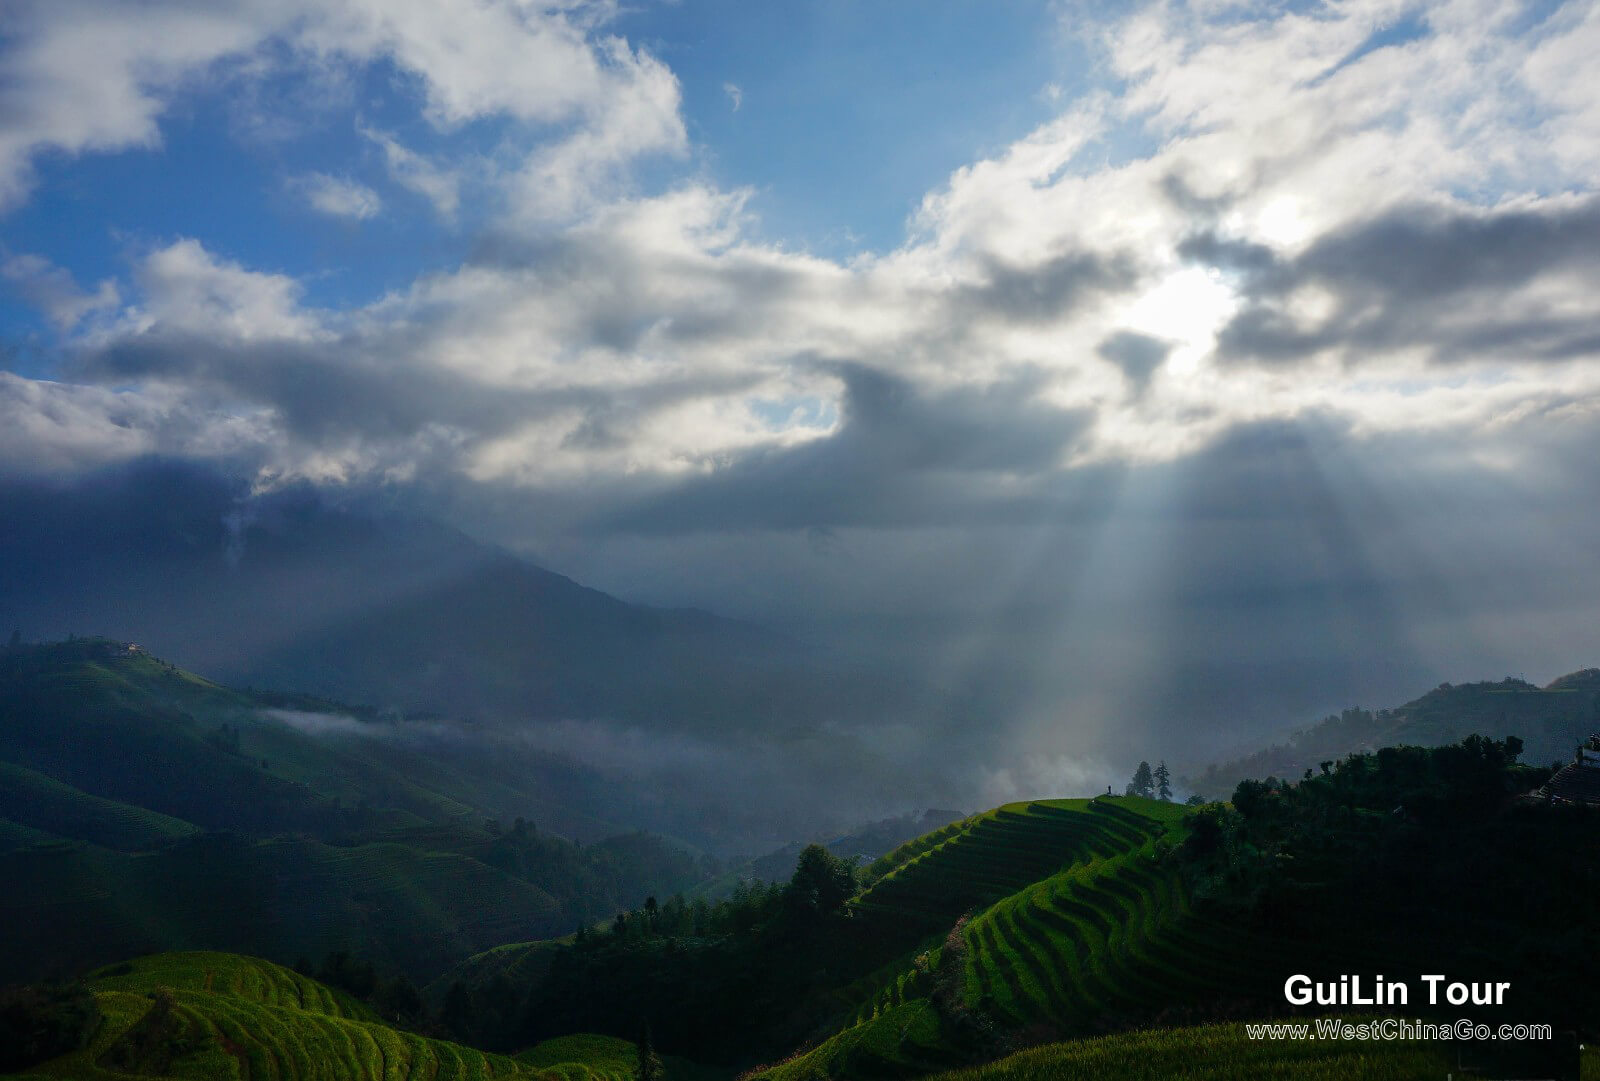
(885, 986)
(1087, 927)
(1211, 1053)
(143, 808)
(43, 804)
(82, 712)
(585, 1057)
(862, 845)
(220, 1017)
(406, 908)
(923, 885)
(1069, 919)
(523, 963)
(230, 974)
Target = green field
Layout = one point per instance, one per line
(1113, 939)
(233, 1018)
(240, 831)
(585, 1057)
(521, 962)
(1212, 1053)
(75, 905)
(921, 888)
(31, 799)
(1071, 927)
(221, 1017)
(1077, 924)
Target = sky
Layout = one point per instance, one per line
(1168, 363)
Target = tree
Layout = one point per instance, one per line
(1143, 783)
(1251, 797)
(398, 1000)
(1163, 782)
(649, 1067)
(821, 885)
(460, 1012)
(39, 1023)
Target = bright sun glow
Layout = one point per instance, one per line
(1282, 223)
(1188, 307)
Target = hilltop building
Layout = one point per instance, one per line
(1579, 780)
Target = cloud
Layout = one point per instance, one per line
(338, 197)
(1138, 355)
(1460, 283)
(1260, 219)
(436, 183)
(85, 76)
(735, 95)
(900, 456)
(61, 429)
(1045, 291)
(327, 724)
(640, 118)
(186, 289)
(52, 290)
(92, 76)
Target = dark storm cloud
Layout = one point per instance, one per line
(1043, 292)
(1138, 355)
(1177, 191)
(327, 392)
(901, 455)
(619, 288)
(1240, 256)
(1417, 276)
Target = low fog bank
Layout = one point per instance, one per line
(733, 798)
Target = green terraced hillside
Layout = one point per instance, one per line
(46, 805)
(221, 1017)
(1077, 924)
(1110, 942)
(922, 887)
(588, 1057)
(1211, 1053)
(984, 867)
(585, 1057)
(1338, 874)
(520, 962)
(230, 974)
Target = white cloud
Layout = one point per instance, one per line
(187, 290)
(91, 76)
(55, 428)
(95, 75)
(53, 290)
(613, 334)
(641, 117)
(436, 183)
(338, 197)
(735, 95)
